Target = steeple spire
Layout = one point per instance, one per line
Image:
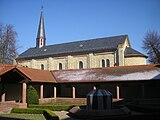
(41, 38)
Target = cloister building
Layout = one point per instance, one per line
(124, 82)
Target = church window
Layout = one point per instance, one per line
(80, 65)
(60, 66)
(103, 63)
(107, 63)
(42, 67)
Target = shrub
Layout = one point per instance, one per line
(28, 110)
(53, 108)
(32, 96)
(48, 114)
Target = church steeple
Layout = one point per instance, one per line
(41, 38)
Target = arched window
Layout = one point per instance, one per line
(103, 63)
(42, 67)
(60, 66)
(107, 63)
(80, 65)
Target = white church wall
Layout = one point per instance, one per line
(70, 62)
(77, 59)
(39, 62)
(57, 60)
(135, 61)
(97, 59)
(25, 63)
(126, 43)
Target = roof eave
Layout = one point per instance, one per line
(135, 55)
(67, 53)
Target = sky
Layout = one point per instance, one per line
(74, 20)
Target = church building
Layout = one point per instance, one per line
(92, 53)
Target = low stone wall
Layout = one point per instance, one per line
(68, 100)
(8, 105)
(59, 100)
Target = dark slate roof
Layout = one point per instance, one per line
(92, 45)
(130, 52)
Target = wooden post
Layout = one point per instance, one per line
(73, 92)
(94, 87)
(41, 92)
(55, 92)
(24, 88)
(3, 97)
(117, 91)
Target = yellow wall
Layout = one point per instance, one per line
(70, 62)
(135, 61)
(26, 63)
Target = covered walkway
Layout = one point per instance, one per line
(125, 82)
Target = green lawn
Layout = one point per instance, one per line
(24, 116)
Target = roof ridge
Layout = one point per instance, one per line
(29, 78)
(129, 51)
(53, 76)
(153, 65)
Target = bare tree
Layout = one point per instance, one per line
(151, 44)
(8, 49)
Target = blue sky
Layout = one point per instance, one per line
(74, 20)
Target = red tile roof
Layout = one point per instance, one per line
(119, 73)
(35, 75)
(5, 68)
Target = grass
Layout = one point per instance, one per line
(24, 116)
(58, 104)
(51, 107)
(63, 105)
(34, 112)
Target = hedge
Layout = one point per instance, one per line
(49, 115)
(32, 96)
(53, 108)
(27, 110)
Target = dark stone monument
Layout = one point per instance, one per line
(99, 106)
(99, 100)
